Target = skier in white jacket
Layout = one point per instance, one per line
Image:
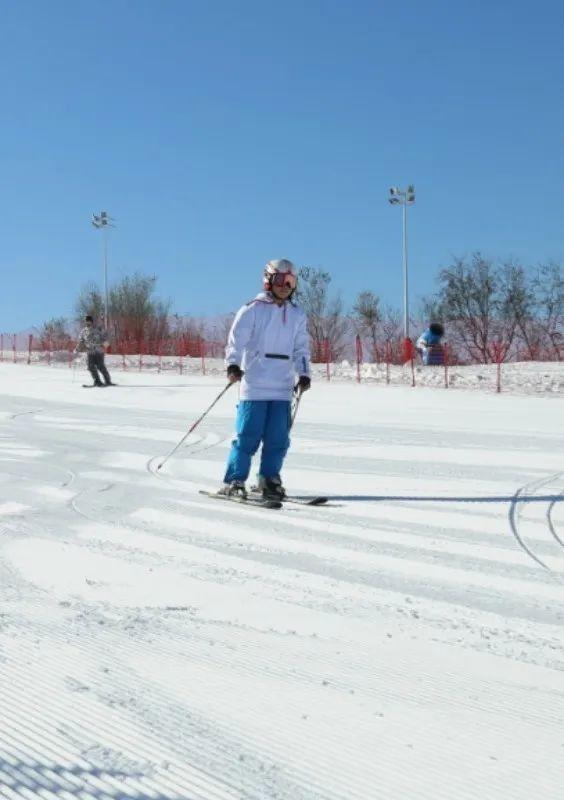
(267, 349)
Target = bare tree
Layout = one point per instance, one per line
(89, 301)
(187, 336)
(367, 316)
(326, 323)
(136, 314)
(548, 288)
(516, 308)
(468, 299)
(391, 324)
(137, 318)
(225, 326)
(390, 337)
(430, 310)
(54, 335)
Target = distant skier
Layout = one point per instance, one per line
(430, 345)
(267, 349)
(93, 340)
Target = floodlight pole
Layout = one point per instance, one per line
(404, 198)
(105, 235)
(405, 278)
(101, 221)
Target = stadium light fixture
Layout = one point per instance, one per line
(404, 197)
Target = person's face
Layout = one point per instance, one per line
(89, 323)
(282, 285)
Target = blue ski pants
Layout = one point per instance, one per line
(266, 421)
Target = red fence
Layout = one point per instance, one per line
(391, 361)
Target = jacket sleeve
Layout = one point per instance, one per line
(239, 335)
(301, 347)
(421, 343)
(80, 345)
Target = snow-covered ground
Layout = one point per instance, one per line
(404, 642)
(525, 377)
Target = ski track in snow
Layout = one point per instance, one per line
(403, 642)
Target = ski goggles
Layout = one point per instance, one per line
(286, 279)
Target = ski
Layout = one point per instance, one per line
(258, 502)
(93, 386)
(317, 500)
(314, 500)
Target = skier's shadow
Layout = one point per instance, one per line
(155, 386)
(31, 777)
(372, 498)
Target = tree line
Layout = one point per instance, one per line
(138, 320)
(487, 309)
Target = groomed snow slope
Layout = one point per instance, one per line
(404, 642)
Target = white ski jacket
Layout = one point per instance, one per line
(271, 345)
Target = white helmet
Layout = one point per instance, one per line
(284, 269)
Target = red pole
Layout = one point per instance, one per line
(498, 351)
(179, 352)
(358, 357)
(407, 346)
(408, 354)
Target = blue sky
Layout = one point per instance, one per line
(222, 134)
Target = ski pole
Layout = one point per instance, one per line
(195, 425)
(296, 406)
(74, 366)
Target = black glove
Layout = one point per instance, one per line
(234, 373)
(303, 384)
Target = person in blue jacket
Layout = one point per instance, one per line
(268, 351)
(430, 345)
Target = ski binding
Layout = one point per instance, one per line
(259, 502)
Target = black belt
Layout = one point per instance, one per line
(277, 355)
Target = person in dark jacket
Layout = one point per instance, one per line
(93, 340)
(430, 345)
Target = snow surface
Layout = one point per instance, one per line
(525, 377)
(406, 641)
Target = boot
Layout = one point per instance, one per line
(271, 488)
(235, 488)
